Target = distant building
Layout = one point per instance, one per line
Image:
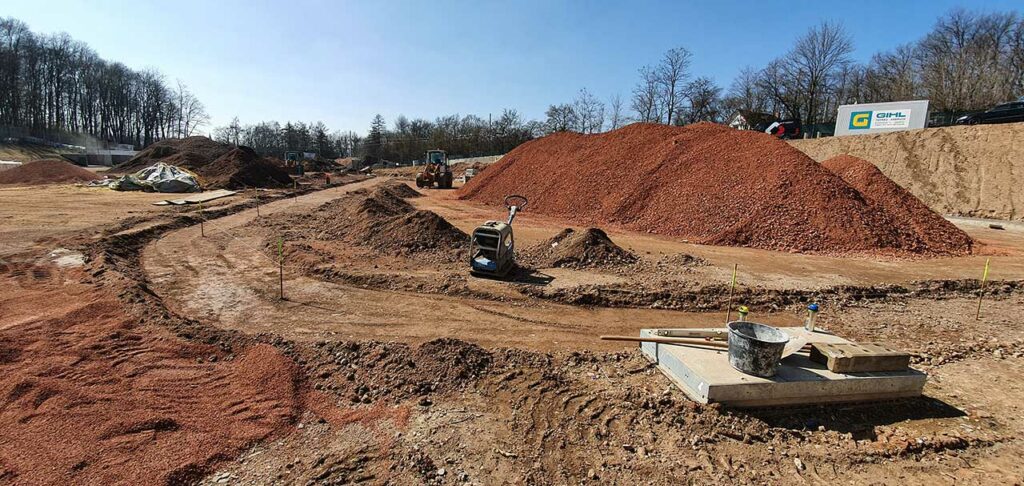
(752, 120)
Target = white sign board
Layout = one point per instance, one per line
(881, 117)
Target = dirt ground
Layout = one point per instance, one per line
(425, 376)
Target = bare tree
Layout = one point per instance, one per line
(190, 114)
(892, 76)
(589, 112)
(616, 117)
(705, 102)
(745, 92)
(234, 131)
(645, 96)
(671, 76)
(971, 61)
(814, 60)
(560, 118)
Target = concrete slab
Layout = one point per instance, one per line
(706, 376)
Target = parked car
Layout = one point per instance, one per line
(1002, 113)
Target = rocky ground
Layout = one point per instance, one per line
(450, 411)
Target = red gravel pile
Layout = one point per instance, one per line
(920, 228)
(242, 167)
(46, 171)
(579, 249)
(707, 183)
(87, 397)
(191, 153)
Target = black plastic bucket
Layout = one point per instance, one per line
(755, 349)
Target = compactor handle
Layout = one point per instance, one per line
(514, 203)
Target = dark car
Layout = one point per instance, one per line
(1003, 113)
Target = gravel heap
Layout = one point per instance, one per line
(579, 249)
(704, 182)
(919, 228)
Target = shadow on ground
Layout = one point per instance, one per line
(859, 419)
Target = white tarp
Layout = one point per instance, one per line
(158, 178)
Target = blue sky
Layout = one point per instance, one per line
(343, 61)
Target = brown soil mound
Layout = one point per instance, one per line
(704, 182)
(191, 153)
(46, 171)
(579, 249)
(922, 230)
(242, 167)
(400, 189)
(378, 220)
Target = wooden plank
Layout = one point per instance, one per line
(197, 198)
(859, 357)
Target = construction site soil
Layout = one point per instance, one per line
(222, 382)
(191, 153)
(961, 170)
(46, 171)
(578, 249)
(242, 167)
(920, 229)
(666, 180)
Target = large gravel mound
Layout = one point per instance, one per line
(707, 183)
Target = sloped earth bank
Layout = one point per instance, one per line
(449, 411)
(962, 170)
(704, 182)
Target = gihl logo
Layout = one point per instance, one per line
(891, 114)
(860, 120)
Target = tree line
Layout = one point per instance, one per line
(54, 87)
(969, 61)
(404, 141)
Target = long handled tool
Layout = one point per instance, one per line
(798, 344)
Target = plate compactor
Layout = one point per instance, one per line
(492, 248)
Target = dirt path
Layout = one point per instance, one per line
(225, 279)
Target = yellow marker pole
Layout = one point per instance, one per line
(981, 293)
(280, 266)
(732, 289)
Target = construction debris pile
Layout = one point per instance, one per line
(918, 228)
(706, 183)
(590, 247)
(46, 171)
(218, 165)
(157, 178)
